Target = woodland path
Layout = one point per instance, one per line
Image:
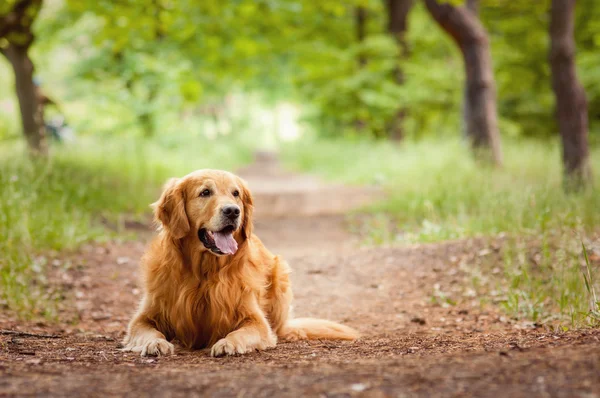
(411, 345)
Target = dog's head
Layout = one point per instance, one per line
(213, 206)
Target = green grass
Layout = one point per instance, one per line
(58, 204)
(436, 192)
(548, 280)
(588, 276)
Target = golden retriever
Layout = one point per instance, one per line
(209, 281)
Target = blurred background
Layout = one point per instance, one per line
(477, 119)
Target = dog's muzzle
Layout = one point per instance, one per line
(219, 242)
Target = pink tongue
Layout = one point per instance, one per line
(225, 242)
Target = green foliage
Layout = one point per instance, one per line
(63, 202)
(155, 58)
(520, 46)
(587, 35)
(344, 95)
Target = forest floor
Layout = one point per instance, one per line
(412, 344)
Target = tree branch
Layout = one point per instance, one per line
(10, 21)
(473, 6)
(460, 23)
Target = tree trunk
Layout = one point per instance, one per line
(480, 114)
(146, 118)
(32, 117)
(15, 32)
(360, 22)
(397, 12)
(473, 6)
(571, 103)
(361, 30)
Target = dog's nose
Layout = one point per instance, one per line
(231, 211)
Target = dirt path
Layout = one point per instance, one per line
(412, 346)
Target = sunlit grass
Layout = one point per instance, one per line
(58, 204)
(436, 192)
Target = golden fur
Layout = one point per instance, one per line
(234, 303)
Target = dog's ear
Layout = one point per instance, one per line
(248, 210)
(169, 210)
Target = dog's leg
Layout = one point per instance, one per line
(143, 337)
(253, 334)
(279, 297)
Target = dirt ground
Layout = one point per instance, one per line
(411, 346)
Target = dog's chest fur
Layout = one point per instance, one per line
(201, 305)
(210, 312)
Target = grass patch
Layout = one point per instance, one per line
(56, 204)
(549, 280)
(438, 192)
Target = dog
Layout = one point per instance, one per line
(208, 279)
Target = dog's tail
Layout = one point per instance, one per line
(312, 329)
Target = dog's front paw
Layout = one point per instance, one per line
(227, 347)
(151, 347)
(236, 344)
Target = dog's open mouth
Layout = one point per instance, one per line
(219, 242)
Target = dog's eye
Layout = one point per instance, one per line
(236, 193)
(205, 193)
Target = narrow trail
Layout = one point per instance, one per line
(411, 344)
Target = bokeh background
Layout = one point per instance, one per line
(449, 107)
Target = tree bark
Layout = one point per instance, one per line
(473, 6)
(146, 118)
(397, 12)
(360, 22)
(571, 102)
(15, 29)
(480, 113)
(361, 30)
(32, 117)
